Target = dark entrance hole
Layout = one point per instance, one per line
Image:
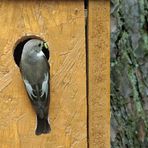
(18, 48)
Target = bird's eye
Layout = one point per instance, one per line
(39, 45)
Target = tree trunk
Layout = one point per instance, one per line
(129, 73)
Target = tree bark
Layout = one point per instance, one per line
(129, 73)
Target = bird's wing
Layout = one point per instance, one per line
(39, 91)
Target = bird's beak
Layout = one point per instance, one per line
(45, 45)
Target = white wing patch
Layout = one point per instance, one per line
(45, 85)
(29, 89)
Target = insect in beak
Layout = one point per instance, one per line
(45, 45)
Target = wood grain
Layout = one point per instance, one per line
(61, 23)
(99, 73)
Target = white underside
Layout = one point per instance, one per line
(40, 54)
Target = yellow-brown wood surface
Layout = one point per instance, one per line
(99, 73)
(61, 23)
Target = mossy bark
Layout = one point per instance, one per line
(129, 73)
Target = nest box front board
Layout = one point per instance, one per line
(62, 25)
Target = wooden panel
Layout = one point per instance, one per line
(99, 73)
(61, 23)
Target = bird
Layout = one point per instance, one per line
(35, 72)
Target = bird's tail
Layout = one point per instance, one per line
(43, 127)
